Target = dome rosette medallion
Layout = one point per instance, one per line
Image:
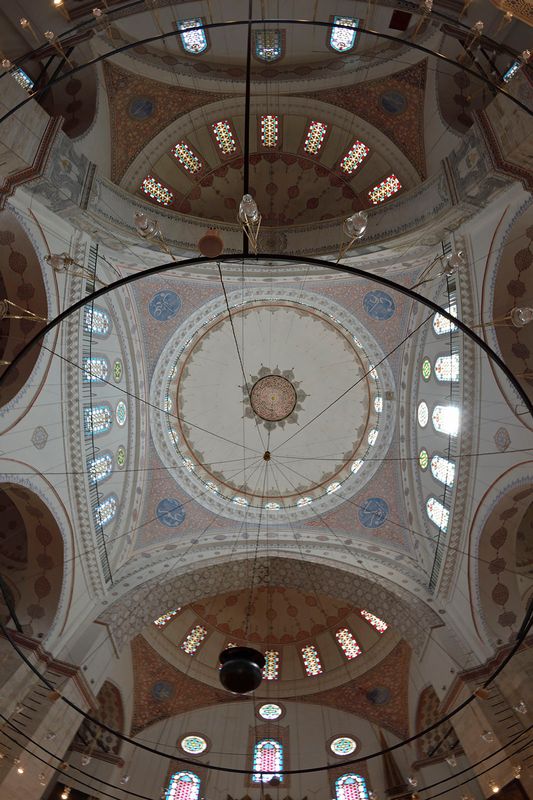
(202, 404)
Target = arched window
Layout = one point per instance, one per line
(438, 513)
(268, 761)
(100, 468)
(384, 190)
(355, 155)
(194, 42)
(269, 124)
(97, 419)
(342, 39)
(194, 639)
(447, 368)
(376, 622)
(268, 45)
(350, 647)
(165, 618)
(271, 668)
(96, 320)
(446, 419)
(443, 470)
(311, 660)
(105, 511)
(351, 787)
(441, 324)
(156, 191)
(223, 133)
(95, 368)
(183, 786)
(314, 138)
(186, 156)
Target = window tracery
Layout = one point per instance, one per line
(105, 511)
(269, 130)
(441, 324)
(100, 468)
(351, 787)
(165, 618)
(193, 41)
(268, 45)
(97, 419)
(193, 640)
(376, 622)
(446, 419)
(384, 190)
(183, 786)
(355, 155)
(443, 470)
(271, 668)
(437, 513)
(96, 321)
(447, 368)
(268, 761)
(95, 368)
(342, 39)
(314, 138)
(311, 660)
(156, 191)
(187, 158)
(348, 643)
(224, 137)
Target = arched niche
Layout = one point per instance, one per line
(96, 741)
(21, 282)
(498, 585)
(31, 558)
(440, 741)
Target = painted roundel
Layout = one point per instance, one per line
(393, 102)
(162, 690)
(379, 305)
(170, 512)
(141, 108)
(343, 746)
(164, 305)
(193, 744)
(373, 512)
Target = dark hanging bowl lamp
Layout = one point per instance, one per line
(242, 669)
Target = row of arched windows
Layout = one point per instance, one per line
(268, 43)
(267, 764)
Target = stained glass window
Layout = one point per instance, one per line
(268, 761)
(443, 470)
(423, 414)
(351, 787)
(194, 639)
(270, 711)
(271, 668)
(194, 42)
(385, 189)
(268, 45)
(446, 419)
(441, 324)
(355, 155)
(95, 368)
(96, 320)
(372, 437)
(356, 465)
(165, 618)
(224, 137)
(105, 511)
(423, 459)
(311, 660)
(183, 786)
(314, 138)
(438, 513)
(343, 746)
(269, 130)
(376, 622)
(426, 369)
(194, 744)
(511, 72)
(187, 157)
(378, 403)
(447, 368)
(333, 487)
(22, 78)
(349, 645)
(100, 468)
(121, 413)
(343, 39)
(157, 191)
(97, 419)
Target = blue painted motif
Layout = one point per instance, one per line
(141, 108)
(393, 102)
(164, 305)
(379, 305)
(162, 690)
(373, 512)
(170, 512)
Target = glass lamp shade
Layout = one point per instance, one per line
(144, 226)
(355, 225)
(248, 211)
(521, 316)
(242, 669)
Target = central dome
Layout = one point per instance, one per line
(303, 387)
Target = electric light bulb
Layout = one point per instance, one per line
(248, 211)
(24, 23)
(49, 35)
(451, 760)
(6, 63)
(97, 12)
(477, 27)
(520, 317)
(20, 770)
(58, 3)
(495, 789)
(487, 736)
(412, 781)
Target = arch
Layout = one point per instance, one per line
(31, 558)
(21, 282)
(111, 712)
(137, 607)
(438, 742)
(267, 761)
(183, 786)
(350, 787)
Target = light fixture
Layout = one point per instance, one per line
(412, 781)
(6, 63)
(520, 707)
(85, 760)
(353, 228)
(50, 736)
(517, 771)
(493, 786)
(487, 736)
(42, 778)
(65, 794)
(242, 669)
(124, 780)
(451, 760)
(149, 229)
(452, 264)
(210, 244)
(520, 317)
(250, 218)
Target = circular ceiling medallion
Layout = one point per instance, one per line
(193, 744)
(270, 711)
(343, 746)
(273, 398)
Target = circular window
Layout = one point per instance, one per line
(270, 711)
(121, 412)
(193, 745)
(423, 414)
(423, 459)
(343, 746)
(426, 369)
